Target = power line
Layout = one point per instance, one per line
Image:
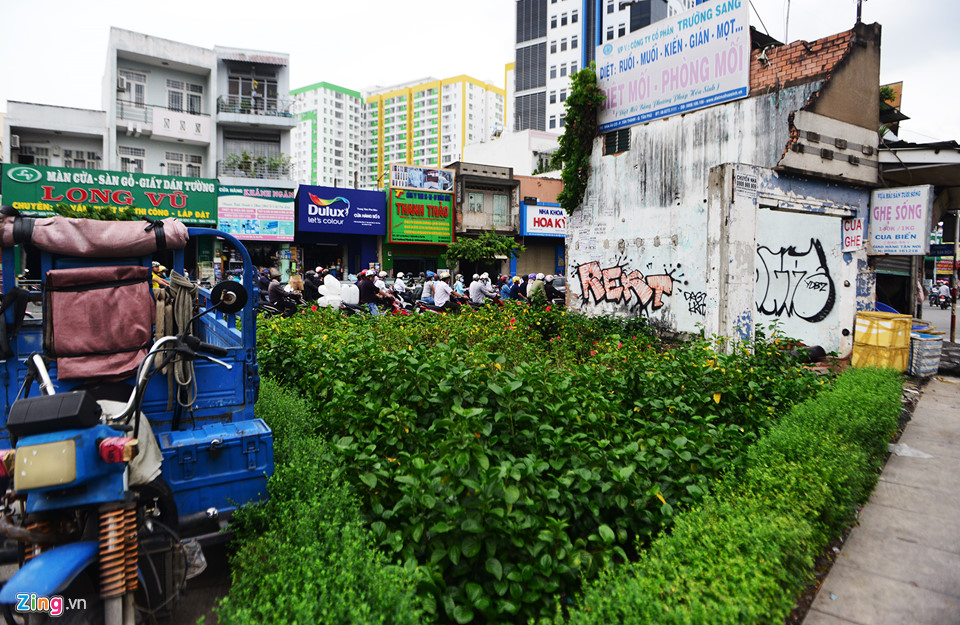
(757, 13)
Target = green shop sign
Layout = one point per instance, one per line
(35, 191)
(418, 216)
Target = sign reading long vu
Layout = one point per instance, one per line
(686, 62)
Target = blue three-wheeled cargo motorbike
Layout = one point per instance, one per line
(128, 434)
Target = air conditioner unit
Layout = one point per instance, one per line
(15, 142)
(121, 84)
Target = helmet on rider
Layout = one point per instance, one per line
(532, 276)
(430, 274)
(399, 274)
(540, 276)
(383, 274)
(445, 276)
(516, 279)
(476, 276)
(549, 278)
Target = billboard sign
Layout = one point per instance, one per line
(900, 220)
(257, 213)
(338, 210)
(35, 191)
(411, 177)
(686, 62)
(420, 217)
(542, 220)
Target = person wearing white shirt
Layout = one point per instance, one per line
(427, 294)
(399, 286)
(443, 294)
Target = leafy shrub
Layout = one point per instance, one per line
(505, 454)
(290, 418)
(745, 554)
(306, 557)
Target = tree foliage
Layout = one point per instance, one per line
(487, 246)
(576, 143)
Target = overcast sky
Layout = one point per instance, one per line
(54, 51)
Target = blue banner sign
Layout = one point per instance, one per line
(343, 211)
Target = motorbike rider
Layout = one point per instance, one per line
(479, 292)
(550, 290)
(536, 291)
(399, 285)
(311, 286)
(944, 292)
(159, 281)
(458, 286)
(370, 295)
(428, 288)
(444, 297)
(505, 287)
(277, 296)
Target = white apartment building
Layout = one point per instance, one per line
(329, 141)
(180, 110)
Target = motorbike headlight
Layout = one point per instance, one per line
(47, 464)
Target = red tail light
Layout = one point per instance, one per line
(117, 449)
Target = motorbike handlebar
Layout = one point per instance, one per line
(197, 345)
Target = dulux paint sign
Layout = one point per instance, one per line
(344, 211)
(690, 61)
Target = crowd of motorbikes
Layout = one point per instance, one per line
(343, 295)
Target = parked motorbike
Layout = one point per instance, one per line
(86, 490)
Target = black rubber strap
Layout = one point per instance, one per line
(157, 227)
(22, 229)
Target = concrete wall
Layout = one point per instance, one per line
(518, 150)
(657, 235)
(544, 189)
(638, 245)
(775, 257)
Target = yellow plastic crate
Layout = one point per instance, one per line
(878, 356)
(881, 329)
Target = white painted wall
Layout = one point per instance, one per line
(641, 243)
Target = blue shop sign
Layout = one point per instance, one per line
(343, 211)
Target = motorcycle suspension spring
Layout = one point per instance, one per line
(112, 552)
(131, 547)
(32, 550)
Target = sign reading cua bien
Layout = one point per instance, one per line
(35, 191)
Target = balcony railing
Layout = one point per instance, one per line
(254, 169)
(130, 110)
(254, 105)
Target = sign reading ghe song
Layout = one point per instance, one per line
(339, 210)
(36, 190)
(690, 61)
(900, 220)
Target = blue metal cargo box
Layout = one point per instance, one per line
(219, 465)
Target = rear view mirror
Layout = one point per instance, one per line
(228, 297)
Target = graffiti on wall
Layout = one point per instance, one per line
(795, 283)
(696, 302)
(618, 284)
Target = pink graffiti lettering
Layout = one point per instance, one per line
(611, 282)
(618, 285)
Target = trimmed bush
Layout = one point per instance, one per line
(305, 556)
(747, 552)
(505, 455)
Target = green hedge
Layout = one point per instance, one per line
(747, 552)
(306, 556)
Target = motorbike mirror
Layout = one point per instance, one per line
(228, 297)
